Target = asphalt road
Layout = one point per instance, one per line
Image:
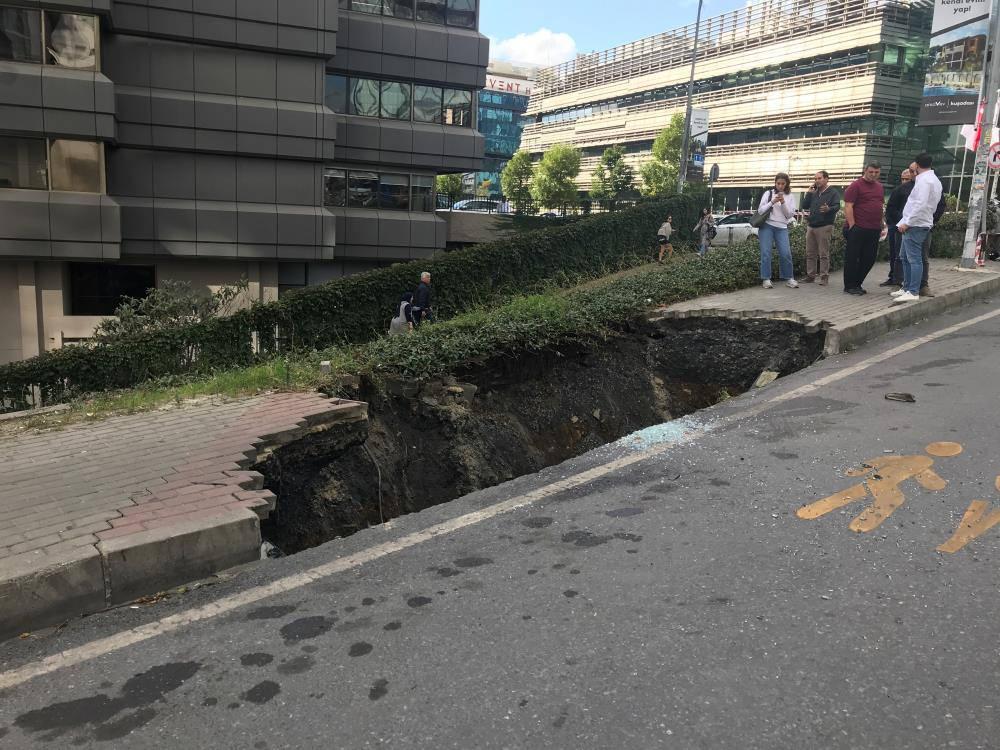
(675, 600)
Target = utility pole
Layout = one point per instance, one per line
(682, 168)
(978, 195)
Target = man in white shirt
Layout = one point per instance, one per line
(915, 226)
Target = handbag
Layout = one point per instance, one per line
(758, 219)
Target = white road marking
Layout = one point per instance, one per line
(116, 642)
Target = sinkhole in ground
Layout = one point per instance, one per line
(430, 443)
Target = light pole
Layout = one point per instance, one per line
(977, 195)
(686, 140)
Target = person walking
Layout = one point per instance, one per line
(704, 230)
(822, 202)
(422, 301)
(863, 201)
(916, 225)
(893, 214)
(780, 203)
(663, 238)
(403, 322)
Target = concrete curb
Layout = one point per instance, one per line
(42, 588)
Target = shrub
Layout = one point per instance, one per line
(349, 310)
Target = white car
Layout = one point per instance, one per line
(733, 228)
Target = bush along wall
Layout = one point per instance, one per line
(349, 310)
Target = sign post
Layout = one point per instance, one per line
(686, 140)
(713, 175)
(974, 240)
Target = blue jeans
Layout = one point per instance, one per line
(703, 247)
(912, 253)
(769, 237)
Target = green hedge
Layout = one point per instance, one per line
(349, 310)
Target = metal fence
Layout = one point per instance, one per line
(498, 204)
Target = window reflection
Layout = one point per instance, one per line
(20, 35)
(23, 163)
(367, 6)
(76, 166)
(398, 8)
(431, 11)
(462, 13)
(395, 100)
(335, 187)
(427, 104)
(394, 192)
(71, 40)
(457, 107)
(336, 93)
(423, 193)
(360, 189)
(363, 190)
(363, 97)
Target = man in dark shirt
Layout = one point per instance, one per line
(422, 309)
(822, 202)
(893, 215)
(863, 201)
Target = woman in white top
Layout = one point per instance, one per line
(774, 231)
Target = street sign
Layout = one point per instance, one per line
(713, 174)
(994, 158)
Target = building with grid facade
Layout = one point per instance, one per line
(790, 85)
(282, 141)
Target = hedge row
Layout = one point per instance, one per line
(535, 322)
(348, 310)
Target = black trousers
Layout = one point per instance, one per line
(859, 255)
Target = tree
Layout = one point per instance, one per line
(173, 303)
(483, 191)
(555, 178)
(516, 179)
(613, 177)
(659, 175)
(451, 186)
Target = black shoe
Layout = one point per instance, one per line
(862, 290)
(856, 291)
(889, 282)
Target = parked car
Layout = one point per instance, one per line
(733, 228)
(477, 204)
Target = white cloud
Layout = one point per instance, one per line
(542, 47)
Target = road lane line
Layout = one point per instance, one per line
(227, 604)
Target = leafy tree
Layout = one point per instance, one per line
(172, 304)
(555, 178)
(659, 175)
(483, 191)
(450, 185)
(516, 179)
(613, 178)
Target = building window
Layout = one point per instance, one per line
(363, 97)
(431, 11)
(67, 40)
(292, 276)
(98, 289)
(336, 93)
(398, 8)
(427, 104)
(457, 107)
(36, 164)
(394, 192)
(363, 190)
(20, 35)
(423, 193)
(75, 166)
(23, 163)
(367, 6)
(462, 13)
(335, 187)
(395, 100)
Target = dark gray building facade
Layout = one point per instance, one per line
(285, 141)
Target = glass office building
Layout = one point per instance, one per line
(790, 85)
(502, 105)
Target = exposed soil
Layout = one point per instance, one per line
(428, 443)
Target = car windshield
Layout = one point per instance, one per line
(736, 219)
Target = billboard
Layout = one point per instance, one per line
(956, 61)
(698, 145)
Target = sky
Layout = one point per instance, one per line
(520, 31)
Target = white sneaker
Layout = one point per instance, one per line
(897, 293)
(905, 297)
(792, 284)
(767, 284)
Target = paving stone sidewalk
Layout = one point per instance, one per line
(102, 513)
(849, 321)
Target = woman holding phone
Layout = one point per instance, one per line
(780, 202)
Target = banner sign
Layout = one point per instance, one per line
(956, 62)
(698, 145)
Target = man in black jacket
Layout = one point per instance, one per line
(893, 215)
(822, 202)
(422, 309)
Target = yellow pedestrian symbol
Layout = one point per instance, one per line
(974, 523)
(884, 475)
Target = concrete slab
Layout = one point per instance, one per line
(848, 320)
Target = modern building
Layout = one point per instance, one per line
(502, 104)
(790, 85)
(285, 141)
